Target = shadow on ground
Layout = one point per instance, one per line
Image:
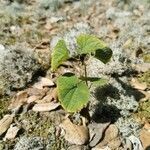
(110, 113)
(148, 148)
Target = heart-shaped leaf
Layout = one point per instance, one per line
(89, 44)
(72, 92)
(59, 55)
(104, 54)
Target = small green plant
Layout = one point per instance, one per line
(73, 91)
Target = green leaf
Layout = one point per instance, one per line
(100, 82)
(89, 44)
(95, 80)
(72, 92)
(60, 54)
(103, 55)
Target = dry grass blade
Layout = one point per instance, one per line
(18, 100)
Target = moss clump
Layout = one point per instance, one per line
(144, 110)
(1, 146)
(40, 125)
(146, 58)
(4, 102)
(36, 125)
(11, 40)
(145, 77)
(56, 142)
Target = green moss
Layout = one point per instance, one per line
(56, 142)
(11, 40)
(145, 77)
(144, 110)
(1, 146)
(146, 58)
(23, 20)
(41, 126)
(4, 102)
(37, 125)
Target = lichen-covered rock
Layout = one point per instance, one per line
(70, 36)
(26, 143)
(128, 126)
(115, 102)
(124, 96)
(17, 67)
(132, 27)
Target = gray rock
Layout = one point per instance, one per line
(17, 67)
(25, 143)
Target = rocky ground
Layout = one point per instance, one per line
(118, 115)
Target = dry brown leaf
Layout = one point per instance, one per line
(45, 106)
(142, 67)
(32, 99)
(5, 123)
(147, 96)
(43, 45)
(111, 133)
(145, 138)
(75, 134)
(43, 82)
(114, 144)
(48, 26)
(18, 100)
(137, 85)
(12, 132)
(37, 92)
(128, 43)
(56, 116)
(103, 148)
(77, 147)
(52, 95)
(147, 126)
(96, 132)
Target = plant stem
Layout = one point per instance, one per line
(85, 73)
